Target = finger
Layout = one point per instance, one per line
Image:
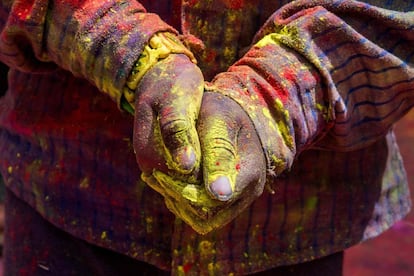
(148, 147)
(191, 198)
(199, 224)
(177, 103)
(179, 136)
(182, 191)
(160, 182)
(177, 119)
(218, 131)
(152, 181)
(233, 160)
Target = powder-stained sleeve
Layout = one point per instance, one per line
(96, 40)
(325, 74)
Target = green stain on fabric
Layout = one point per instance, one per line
(311, 203)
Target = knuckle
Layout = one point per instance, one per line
(222, 147)
(174, 132)
(173, 127)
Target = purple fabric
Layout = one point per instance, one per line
(36, 247)
(66, 151)
(33, 246)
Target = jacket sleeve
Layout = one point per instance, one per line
(96, 40)
(331, 75)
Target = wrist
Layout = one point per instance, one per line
(159, 47)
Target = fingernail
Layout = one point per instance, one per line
(221, 188)
(186, 158)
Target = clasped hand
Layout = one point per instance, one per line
(197, 148)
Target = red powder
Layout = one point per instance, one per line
(23, 9)
(191, 3)
(234, 4)
(187, 267)
(211, 56)
(289, 74)
(238, 167)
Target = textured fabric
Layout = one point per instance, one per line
(292, 108)
(66, 148)
(330, 265)
(78, 168)
(96, 40)
(36, 247)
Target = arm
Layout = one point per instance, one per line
(113, 44)
(315, 77)
(97, 40)
(335, 85)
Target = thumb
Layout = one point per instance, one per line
(218, 134)
(233, 159)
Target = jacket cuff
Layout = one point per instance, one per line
(281, 94)
(160, 46)
(107, 45)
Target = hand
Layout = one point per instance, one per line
(233, 161)
(167, 105)
(234, 168)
